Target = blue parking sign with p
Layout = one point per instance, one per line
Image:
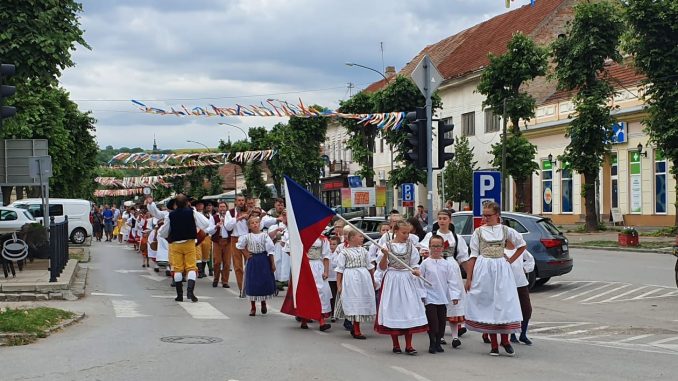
(486, 187)
(408, 194)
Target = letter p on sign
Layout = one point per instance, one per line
(486, 184)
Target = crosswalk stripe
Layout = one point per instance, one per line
(573, 289)
(580, 331)
(624, 294)
(126, 309)
(104, 294)
(557, 327)
(658, 342)
(588, 292)
(646, 294)
(604, 293)
(202, 310)
(633, 338)
(154, 278)
(174, 296)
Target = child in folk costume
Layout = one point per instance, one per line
(125, 228)
(522, 266)
(259, 279)
(335, 242)
(319, 259)
(492, 301)
(280, 236)
(355, 284)
(401, 311)
(384, 228)
(143, 247)
(152, 245)
(446, 288)
(454, 250)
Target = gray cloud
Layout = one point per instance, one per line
(168, 49)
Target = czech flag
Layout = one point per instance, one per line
(306, 219)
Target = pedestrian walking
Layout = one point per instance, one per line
(221, 254)
(260, 280)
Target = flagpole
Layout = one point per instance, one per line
(379, 246)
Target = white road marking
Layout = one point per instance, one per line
(658, 342)
(587, 337)
(624, 294)
(174, 296)
(573, 289)
(203, 310)
(416, 376)
(580, 331)
(320, 332)
(631, 347)
(604, 293)
(153, 278)
(633, 338)
(557, 327)
(104, 294)
(646, 294)
(126, 309)
(355, 349)
(588, 292)
(129, 271)
(552, 322)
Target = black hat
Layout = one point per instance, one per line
(170, 203)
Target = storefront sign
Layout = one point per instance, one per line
(636, 187)
(332, 185)
(363, 197)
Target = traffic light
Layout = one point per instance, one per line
(443, 142)
(416, 137)
(6, 91)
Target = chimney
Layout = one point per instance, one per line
(390, 71)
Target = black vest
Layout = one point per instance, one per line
(182, 225)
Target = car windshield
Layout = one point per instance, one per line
(549, 227)
(29, 216)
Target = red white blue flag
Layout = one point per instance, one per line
(306, 219)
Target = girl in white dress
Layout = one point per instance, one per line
(355, 285)
(455, 250)
(332, 279)
(401, 311)
(384, 228)
(319, 259)
(446, 287)
(280, 236)
(259, 279)
(492, 304)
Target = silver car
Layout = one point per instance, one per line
(12, 219)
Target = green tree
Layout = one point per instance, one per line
(500, 82)
(459, 173)
(592, 38)
(652, 40)
(361, 137)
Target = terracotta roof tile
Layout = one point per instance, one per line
(466, 51)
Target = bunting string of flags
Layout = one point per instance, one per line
(277, 108)
(508, 3)
(186, 160)
(136, 182)
(118, 192)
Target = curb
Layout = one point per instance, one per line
(47, 332)
(633, 250)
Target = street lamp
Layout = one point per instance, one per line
(390, 147)
(233, 125)
(193, 141)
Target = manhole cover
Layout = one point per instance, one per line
(191, 339)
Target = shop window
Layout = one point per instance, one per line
(547, 186)
(614, 170)
(636, 193)
(566, 188)
(660, 188)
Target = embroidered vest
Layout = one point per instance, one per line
(493, 249)
(315, 252)
(405, 256)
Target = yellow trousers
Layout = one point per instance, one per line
(182, 256)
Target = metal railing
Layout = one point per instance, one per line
(58, 247)
(339, 167)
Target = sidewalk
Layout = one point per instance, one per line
(608, 241)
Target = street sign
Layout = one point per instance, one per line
(486, 187)
(408, 194)
(426, 85)
(40, 165)
(355, 182)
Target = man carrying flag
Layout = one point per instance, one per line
(306, 217)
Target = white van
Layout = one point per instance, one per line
(77, 211)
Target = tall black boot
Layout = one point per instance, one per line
(431, 343)
(189, 291)
(180, 291)
(201, 269)
(523, 333)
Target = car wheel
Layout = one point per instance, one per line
(78, 236)
(542, 281)
(531, 279)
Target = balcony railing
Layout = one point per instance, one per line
(339, 167)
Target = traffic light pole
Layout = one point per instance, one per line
(429, 143)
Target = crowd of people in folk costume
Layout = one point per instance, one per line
(406, 284)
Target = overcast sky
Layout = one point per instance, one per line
(203, 52)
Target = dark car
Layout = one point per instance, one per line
(544, 241)
(369, 225)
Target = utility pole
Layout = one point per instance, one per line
(504, 196)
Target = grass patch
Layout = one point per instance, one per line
(79, 255)
(615, 244)
(31, 320)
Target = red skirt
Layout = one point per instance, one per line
(384, 330)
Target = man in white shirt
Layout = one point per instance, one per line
(221, 253)
(237, 226)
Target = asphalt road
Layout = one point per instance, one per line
(615, 317)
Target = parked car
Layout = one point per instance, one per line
(12, 219)
(348, 213)
(77, 211)
(544, 241)
(369, 225)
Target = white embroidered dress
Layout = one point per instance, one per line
(356, 301)
(316, 254)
